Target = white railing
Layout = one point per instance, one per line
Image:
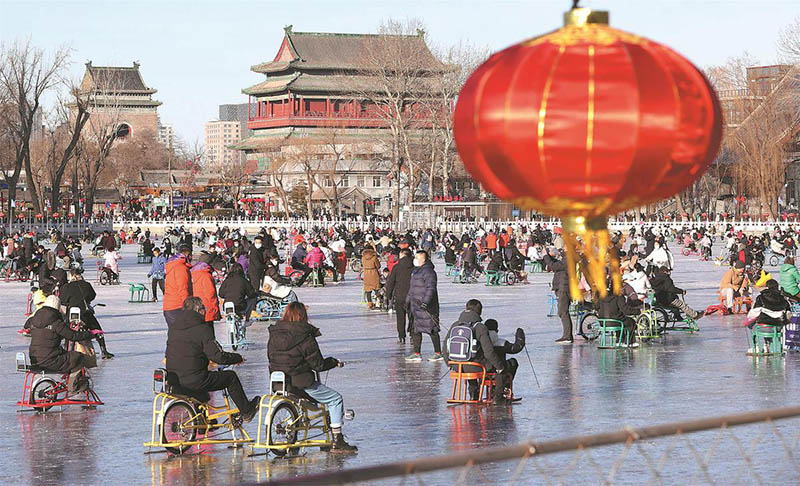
(252, 225)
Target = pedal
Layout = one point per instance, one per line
(236, 420)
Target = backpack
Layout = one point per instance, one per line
(462, 344)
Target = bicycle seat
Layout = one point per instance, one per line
(175, 389)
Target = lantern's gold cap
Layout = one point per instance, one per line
(581, 16)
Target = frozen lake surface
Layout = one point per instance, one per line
(400, 407)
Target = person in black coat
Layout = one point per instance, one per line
(237, 289)
(560, 286)
(293, 349)
(274, 272)
(423, 302)
(397, 286)
(190, 347)
(80, 293)
(48, 330)
(147, 247)
(619, 308)
(668, 295)
(255, 263)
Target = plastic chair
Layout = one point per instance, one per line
(766, 340)
(612, 333)
(493, 278)
(739, 303)
(140, 291)
(461, 378)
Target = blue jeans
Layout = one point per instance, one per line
(331, 398)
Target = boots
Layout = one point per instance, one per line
(103, 350)
(341, 446)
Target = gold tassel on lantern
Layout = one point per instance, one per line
(590, 238)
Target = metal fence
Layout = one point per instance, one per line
(748, 448)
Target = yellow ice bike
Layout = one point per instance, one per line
(288, 423)
(184, 418)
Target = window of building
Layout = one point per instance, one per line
(344, 181)
(376, 181)
(360, 181)
(327, 181)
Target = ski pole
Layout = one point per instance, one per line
(534, 371)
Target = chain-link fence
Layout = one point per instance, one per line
(750, 448)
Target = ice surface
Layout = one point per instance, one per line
(400, 407)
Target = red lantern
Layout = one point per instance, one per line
(585, 122)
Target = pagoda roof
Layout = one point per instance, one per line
(325, 83)
(115, 78)
(339, 51)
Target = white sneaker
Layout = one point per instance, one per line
(634, 345)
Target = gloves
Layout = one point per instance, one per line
(96, 332)
(520, 337)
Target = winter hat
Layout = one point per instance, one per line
(491, 324)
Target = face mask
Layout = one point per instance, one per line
(257, 245)
(274, 262)
(417, 263)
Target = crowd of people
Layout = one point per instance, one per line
(195, 272)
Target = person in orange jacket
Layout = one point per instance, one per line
(177, 283)
(491, 242)
(203, 286)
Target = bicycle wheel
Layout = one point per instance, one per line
(295, 277)
(662, 320)
(104, 278)
(42, 392)
(590, 326)
(686, 252)
(511, 278)
(281, 428)
(773, 260)
(179, 426)
(644, 327)
(355, 265)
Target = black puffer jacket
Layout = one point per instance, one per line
(665, 289)
(190, 346)
(293, 349)
(48, 329)
(237, 289)
(274, 273)
(78, 293)
(616, 307)
(399, 281)
(771, 301)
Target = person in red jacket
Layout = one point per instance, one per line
(177, 283)
(203, 286)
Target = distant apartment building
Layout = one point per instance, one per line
(236, 112)
(166, 135)
(220, 135)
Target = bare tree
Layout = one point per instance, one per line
(58, 146)
(461, 60)
(789, 42)
(394, 78)
(26, 74)
(760, 119)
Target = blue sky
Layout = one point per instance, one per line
(197, 53)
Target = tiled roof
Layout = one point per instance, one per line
(323, 50)
(120, 78)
